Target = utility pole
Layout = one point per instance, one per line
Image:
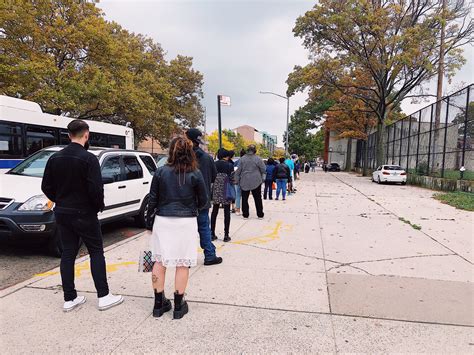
(287, 98)
(439, 90)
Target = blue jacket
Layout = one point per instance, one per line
(270, 169)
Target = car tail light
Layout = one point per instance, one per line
(403, 173)
(385, 173)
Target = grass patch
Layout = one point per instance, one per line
(458, 199)
(413, 225)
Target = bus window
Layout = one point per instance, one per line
(10, 147)
(98, 140)
(39, 137)
(64, 137)
(117, 142)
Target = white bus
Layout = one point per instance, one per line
(25, 129)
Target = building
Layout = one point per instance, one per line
(151, 146)
(250, 133)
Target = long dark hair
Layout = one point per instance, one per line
(181, 156)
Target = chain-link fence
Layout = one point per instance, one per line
(436, 140)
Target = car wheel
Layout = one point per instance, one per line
(373, 180)
(404, 183)
(140, 219)
(378, 180)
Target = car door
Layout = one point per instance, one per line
(137, 186)
(114, 186)
(375, 174)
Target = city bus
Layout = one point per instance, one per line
(25, 129)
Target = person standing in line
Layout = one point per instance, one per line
(238, 192)
(224, 172)
(312, 165)
(268, 190)
(177, 193)
(291, 165)
(306, 167)
(250, 175)
(231, 162)
(208, 170)
(73, 181)
(281, 175)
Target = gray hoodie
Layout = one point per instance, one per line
(251, 172)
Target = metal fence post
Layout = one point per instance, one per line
(393, 142)
(401, 137)
(429, 141)
(465, 130)
(409, 141)
(418, 141)
(445, 136)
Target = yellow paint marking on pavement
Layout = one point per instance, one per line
(85, 266)
(274, 234)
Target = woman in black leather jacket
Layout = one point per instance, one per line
(177, 193)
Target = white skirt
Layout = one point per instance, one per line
(174, 241)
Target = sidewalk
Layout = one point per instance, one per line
(332, 269)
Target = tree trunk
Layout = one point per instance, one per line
(379, 144)
(349, 154)
(366, 156)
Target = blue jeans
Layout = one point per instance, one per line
(281, 187)
(238, 196)
(204, 230)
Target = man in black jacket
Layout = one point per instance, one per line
(73, 181)
(209, 172)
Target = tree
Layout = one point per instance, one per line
(236, 139)
(263, 151)
(64, 55)
(213, 143)
(395, 42)
(279, 153)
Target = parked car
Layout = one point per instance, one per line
(162, 161)
(389, 173)
(26, 213)
(333, 167)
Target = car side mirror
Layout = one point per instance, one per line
(107, 180)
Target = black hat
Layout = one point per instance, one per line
(195, 135)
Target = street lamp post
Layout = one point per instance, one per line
(287, 98)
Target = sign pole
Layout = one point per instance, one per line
(219, 123)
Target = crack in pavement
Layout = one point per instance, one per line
(397, 216)
(213, 303)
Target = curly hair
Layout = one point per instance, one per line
(181, 155)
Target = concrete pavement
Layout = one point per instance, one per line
(339, 267)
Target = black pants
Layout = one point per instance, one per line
(215, 212)
(257, 196)
(268, 190)
(71, 229)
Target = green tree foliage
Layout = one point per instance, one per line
(395, 43)
(64, 55)
(303, 141)
(236, 139)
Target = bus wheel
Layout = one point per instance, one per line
(140, 219)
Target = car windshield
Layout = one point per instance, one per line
(34, 165)
(392, 167)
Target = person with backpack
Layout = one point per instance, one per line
(281, 174)
(219, 192)
(268, 190)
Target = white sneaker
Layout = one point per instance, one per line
(70, 305)
(109, 301)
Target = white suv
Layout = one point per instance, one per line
(25, 212)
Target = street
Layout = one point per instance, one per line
(344, 265)
(19, 262)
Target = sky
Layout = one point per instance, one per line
(241, 47)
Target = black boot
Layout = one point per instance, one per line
(227, 238)
(162, 304)
(213, 236)
(180, 306)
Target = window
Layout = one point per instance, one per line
(10, 128)
(34, 165)
(39, 137)
(133, 170)
(116, 142)
(149, 163)
(98, 140)
(10, 147)
(111, 169)
(64, 137)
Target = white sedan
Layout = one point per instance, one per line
(390, 173)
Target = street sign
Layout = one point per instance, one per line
(225, 100)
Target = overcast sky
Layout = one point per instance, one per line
(241, 47)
